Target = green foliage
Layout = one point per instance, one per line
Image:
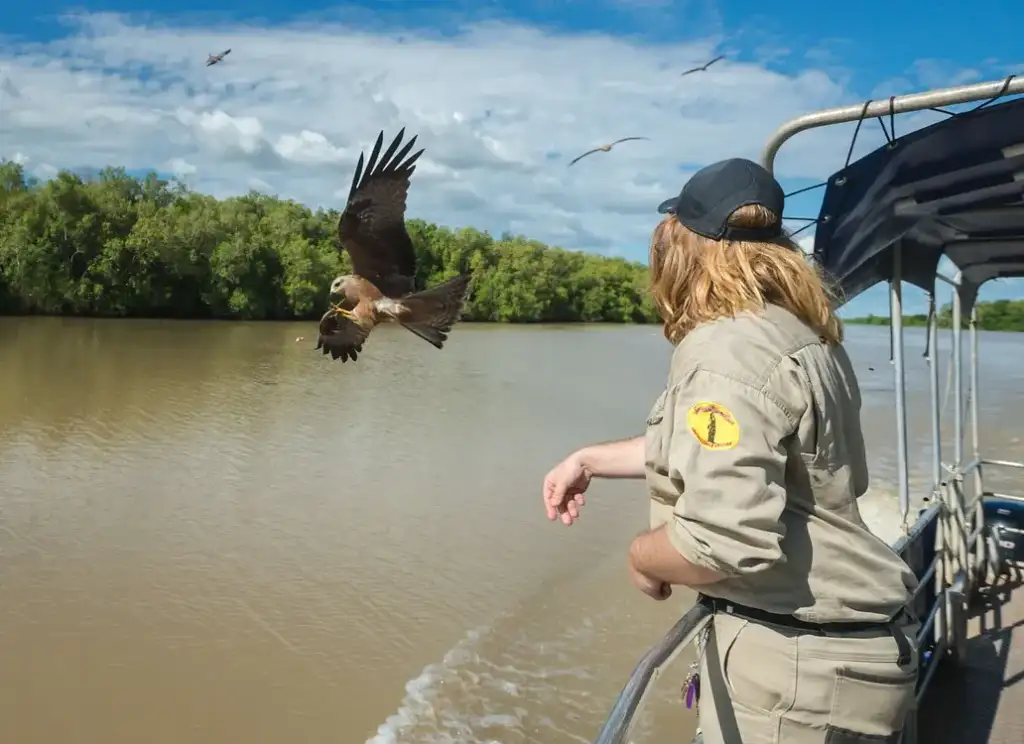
(998, 315)
(116, 245)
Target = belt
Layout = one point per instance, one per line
(889, 627)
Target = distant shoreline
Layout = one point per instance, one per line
(909, 321)
(315, 319)
(994, 315)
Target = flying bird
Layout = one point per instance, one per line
(213, 59)
(381, 287)
(704, 67)
(603, 148)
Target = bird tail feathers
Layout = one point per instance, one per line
(430, 314)
(428, 334)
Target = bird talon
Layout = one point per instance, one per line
(343, 312)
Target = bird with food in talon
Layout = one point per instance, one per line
(382, 287)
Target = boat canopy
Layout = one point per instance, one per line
(955, 188)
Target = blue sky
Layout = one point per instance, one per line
(825, 57)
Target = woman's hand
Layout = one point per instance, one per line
(564, 487)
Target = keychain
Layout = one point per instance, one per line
(691, 687)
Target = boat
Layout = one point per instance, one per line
(953, 190)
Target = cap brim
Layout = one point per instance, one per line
(668, 206)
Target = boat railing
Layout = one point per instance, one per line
(619, 724)
(947, 544)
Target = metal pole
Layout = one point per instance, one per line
(962, 558)
(944, 571)
(979, 509)
(975, 441)
(958, 405)
(933, 374)
(896, 324)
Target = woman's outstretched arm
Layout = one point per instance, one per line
(623, 458)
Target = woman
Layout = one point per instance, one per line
(754, 459)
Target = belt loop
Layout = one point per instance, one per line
(902, 645)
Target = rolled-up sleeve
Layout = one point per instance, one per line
(728, 448)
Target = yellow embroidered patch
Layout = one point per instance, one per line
(713, 425)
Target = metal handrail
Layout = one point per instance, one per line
(1002, 463)
(620, 721)
(885, 106)
(914, 533)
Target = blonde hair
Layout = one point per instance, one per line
(696, 279)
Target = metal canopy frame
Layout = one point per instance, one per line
(954, 189)
(948, 544)
(928, 99)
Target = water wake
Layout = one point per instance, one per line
(533, 677)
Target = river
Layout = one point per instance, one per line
(210, 533)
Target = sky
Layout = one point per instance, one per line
(501, 93)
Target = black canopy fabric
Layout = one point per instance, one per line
(955, 188)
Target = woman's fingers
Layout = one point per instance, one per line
(570, 510)
(559, 500)
(554, 494)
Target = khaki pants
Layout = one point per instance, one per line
(763, 684)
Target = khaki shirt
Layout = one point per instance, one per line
(755, 460)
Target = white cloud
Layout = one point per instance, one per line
(180, 167)
(806, 243)
(500, 109)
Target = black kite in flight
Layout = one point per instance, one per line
(381, 287)
(213, 59)
(604, 148)
(702, 68)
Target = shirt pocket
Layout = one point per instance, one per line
(833, 459)
(832, 484)
(831, 439)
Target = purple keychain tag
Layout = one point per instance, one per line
(692, 689)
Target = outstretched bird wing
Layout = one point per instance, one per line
(702, 68)
(340, 337)
(372, 225)
(600, 149)
(628, 139)
(580, 157)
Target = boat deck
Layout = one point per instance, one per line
(982, 700)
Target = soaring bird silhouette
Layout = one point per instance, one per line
(603, 148)
(704, 67)
(213, 59)
(381, 287)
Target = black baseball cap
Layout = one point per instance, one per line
(716, 191)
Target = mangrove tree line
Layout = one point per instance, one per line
(115, 245)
